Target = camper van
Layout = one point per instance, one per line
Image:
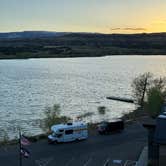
(68, 132)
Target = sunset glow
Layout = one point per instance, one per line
(107, 16)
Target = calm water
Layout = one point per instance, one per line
(79, 85)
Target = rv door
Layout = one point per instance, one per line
(69, 135)
(60, 137)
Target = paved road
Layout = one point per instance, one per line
(94, 151)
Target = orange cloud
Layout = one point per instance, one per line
(128, 29)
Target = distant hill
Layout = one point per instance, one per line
(41, 44)
(35, 34)
(30, 34)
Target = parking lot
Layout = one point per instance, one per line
(97, 150)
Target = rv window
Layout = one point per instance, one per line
(59, 135)
(69, 132)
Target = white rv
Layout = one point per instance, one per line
(68, 132)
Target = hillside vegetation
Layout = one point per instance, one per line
(83, 45)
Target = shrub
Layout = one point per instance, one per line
(52, 116)
(85, 115)
(5, 138)
(101, 110)
(155, 100)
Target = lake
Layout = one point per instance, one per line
(79, 85)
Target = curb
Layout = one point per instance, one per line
(143, 158)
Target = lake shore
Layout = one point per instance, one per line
(4, 57)
(129, 118)
(82, 45)
(41, 83)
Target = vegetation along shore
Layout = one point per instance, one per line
(34, 44)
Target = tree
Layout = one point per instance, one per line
(52, 116)
(140, 85)
(159, 83)
(155, 100)
(150, 93)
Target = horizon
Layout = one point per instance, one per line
(108, 17)
(83, 32)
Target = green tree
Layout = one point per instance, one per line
(149, 93)
(155, 100)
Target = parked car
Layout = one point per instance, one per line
(106, 127)
(68, 132)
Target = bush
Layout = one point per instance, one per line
(52, 116)
(85, 115)
(101, 110)
(5, 138)
(155, 100)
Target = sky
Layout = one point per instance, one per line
(103, 16)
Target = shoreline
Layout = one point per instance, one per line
(65, 57)
(129, 119)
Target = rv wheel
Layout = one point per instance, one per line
(77, 140)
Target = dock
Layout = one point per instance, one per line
(122, 99)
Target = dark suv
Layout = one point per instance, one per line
(106, 127)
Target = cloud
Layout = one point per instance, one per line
(128, 29)
(115, 29)
(134, 29)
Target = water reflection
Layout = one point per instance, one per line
(79, 85)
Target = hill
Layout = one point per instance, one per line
(29, 34)
(34, 44)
